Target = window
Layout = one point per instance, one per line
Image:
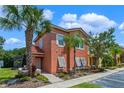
(61, 61)
(60, 40)
(41, 43)
(80, 46)
(78, 62)
(83, 61)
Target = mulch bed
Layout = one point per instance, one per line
(27, 84)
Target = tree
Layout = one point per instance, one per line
(2, 40)
(100, 44)
(72, 41)
(30, 19)
(9, 56)
(114, 51)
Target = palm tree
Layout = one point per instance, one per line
(115, 50)
(72, 41)
(30, 19)
(2, 40)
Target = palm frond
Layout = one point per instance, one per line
(7, 24)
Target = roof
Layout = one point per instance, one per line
(71, 29)
(36, 50)
(66, 30)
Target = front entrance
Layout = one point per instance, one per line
(39, 63)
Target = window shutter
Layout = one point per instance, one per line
(61, 61)
(78, 62)
(83, 61)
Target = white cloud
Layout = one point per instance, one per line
(13, 41)
(48, 14)
(69, 21)
(89, 22)
(69, 17)
(121, 27)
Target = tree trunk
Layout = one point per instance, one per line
(115, 56)
(100, 62)
(68, 59)
(29, 37)
(97, 61)
(74, 59)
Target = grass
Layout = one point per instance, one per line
(6, 74)
(87, 85)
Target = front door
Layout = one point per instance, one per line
(38, 63)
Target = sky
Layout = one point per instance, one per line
(91, 18)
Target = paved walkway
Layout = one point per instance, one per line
(88, 78)
(52, 78)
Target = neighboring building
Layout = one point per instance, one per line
(1, 63)
(50, 55)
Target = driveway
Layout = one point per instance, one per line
(115, 80)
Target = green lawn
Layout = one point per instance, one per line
(7, 73)
(86, 85)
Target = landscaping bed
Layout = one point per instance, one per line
(28, 84)
(12, 79)
(77, 74)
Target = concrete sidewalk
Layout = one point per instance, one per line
(88, 78)
(52, 78)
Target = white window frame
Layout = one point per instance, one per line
(41, 41)
(80, 47)
(57, 35)
(64, 66)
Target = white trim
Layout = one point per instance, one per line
(83, 46)
(80, 48)
(40, 43)
(62, 64)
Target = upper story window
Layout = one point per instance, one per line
(80, 46)
(60, 40)
(41, 43)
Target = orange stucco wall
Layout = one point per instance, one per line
(52, 51)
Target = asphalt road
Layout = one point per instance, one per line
(115, 80)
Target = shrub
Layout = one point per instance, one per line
(19, 76)
(66, 77)
(42, 78)
(61, 74)
(34, 81)
(101, 69)
(107, 61)
(26, 78)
